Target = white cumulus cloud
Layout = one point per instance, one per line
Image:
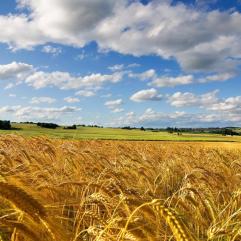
(71, 99)
(30, 113)
(115, 105)
(85, 93)
(196, 38)
(180, 99)
(145, 95)
(42, 99)
(55, 51)
(15, 70)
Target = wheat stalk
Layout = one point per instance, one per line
(26, 203)
(179, 230)
(21, 227)
(22, 200)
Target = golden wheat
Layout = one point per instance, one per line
(22, 200)
(109, 190)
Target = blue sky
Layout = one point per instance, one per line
(114, 63)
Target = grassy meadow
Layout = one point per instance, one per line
(89, 133)
(103, 190)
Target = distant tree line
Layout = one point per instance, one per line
(129, 128)
(5, 125)
(73, 127)
(172, 130)
(95, 126)
(226, 131)
(28, 122)
(54, 126)
(213, 130)
(47, 125)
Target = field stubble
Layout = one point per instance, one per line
(118, 190)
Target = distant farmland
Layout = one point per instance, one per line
(92, 133)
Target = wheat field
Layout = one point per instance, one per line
(118, 190)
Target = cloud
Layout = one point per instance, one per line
(222, 110)
(106, 95)
(212, 111)
(227, 108)
(147, 75)
(180, 99)
(116, 67)
(127, 119)
(217, 77)
(167, 81)
(37, 113)
(205, 3)
(152, 118)
(9, 86)
(15, 71)
(150, 115)
(162, 81)
(230, 104)
(22, 33)
(39, 100)
(146, 95)
(9, 109)
(82, 55)
(196, 38)
(55, 51)
(172, 81)
(85, 93)
(115, 105)
(56, 22)
(71, 100)
(152, 28)
(12, 95)
(134, 65)
(26, 73)
(117, 110)
(64, 80)
(201, 45)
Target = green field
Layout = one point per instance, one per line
(89, 133)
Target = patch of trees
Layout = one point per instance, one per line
(126, 128)
(95, 126)
(172, 130)
(211, 130)
(129, 128)
(226, 132)
(5, 125)
(27, 122)
(135, 128)
(73, 127)
(47, 125)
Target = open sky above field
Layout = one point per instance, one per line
(114, 63)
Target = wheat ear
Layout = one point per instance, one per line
(26, 203)
(22, 200)
(179, 230)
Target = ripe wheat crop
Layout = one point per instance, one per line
(118, 190)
